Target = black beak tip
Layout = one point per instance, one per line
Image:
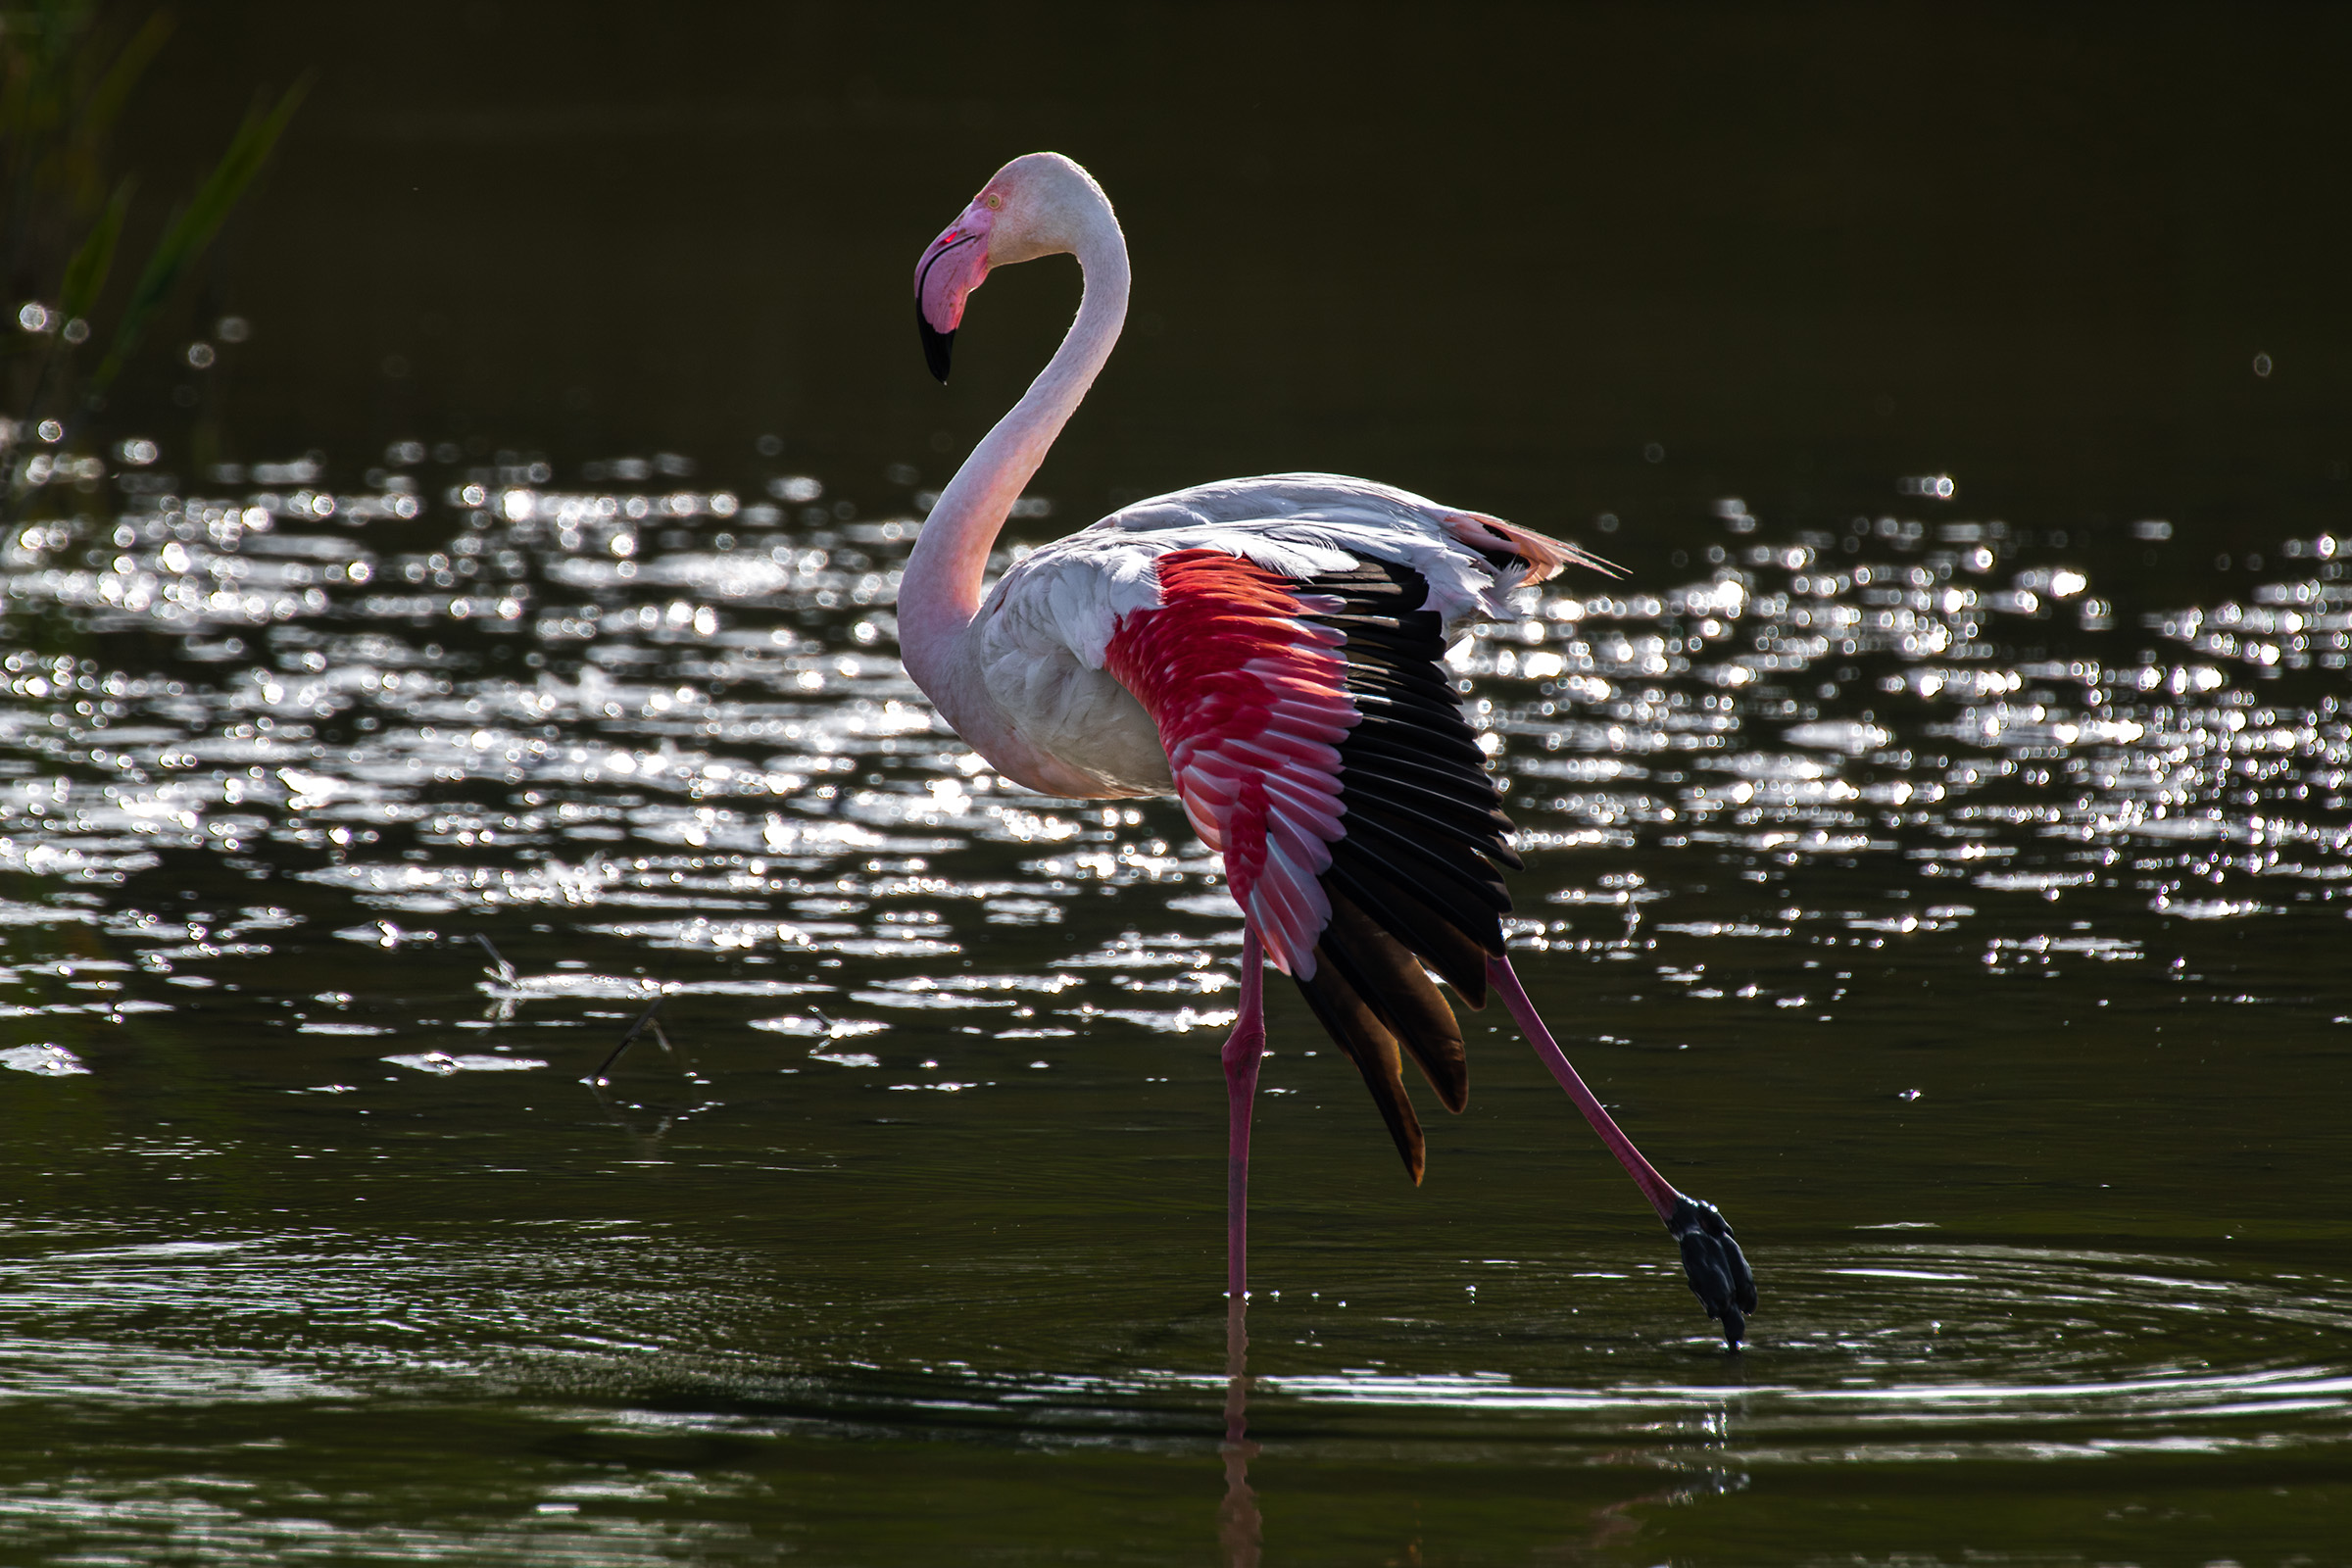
(937, 346)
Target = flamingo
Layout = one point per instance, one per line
(1267, 650)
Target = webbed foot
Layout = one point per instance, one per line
(1716, 1269)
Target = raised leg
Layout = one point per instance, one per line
(1245, 1047)
(1718, 1271)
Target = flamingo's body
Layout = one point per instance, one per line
(1267, 650)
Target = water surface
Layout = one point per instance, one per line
(1969, 932)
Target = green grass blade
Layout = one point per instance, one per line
(193, 225)
(85, 273)
(106, 100)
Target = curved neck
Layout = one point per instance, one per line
(940, 592)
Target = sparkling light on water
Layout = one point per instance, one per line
(679, 721)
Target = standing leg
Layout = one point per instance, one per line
(1237, 1526)
(1716, 1269)
(1244, 1049)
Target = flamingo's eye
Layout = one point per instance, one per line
(995, 201)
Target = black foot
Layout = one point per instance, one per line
(1719, 1273)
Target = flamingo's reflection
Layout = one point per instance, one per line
(1239, 1530)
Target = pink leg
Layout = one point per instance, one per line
(1237, 1526)
(1245, 1047)
(1654, 1187)
(1716, 1269)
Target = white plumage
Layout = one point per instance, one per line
(1040, 638)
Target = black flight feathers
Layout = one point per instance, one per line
(1413, 883)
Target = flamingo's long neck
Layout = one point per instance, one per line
(940, 592)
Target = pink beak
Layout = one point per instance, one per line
(951, 268)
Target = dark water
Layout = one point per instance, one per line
(1993, 996)
(1954, 888)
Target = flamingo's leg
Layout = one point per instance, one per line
(1245, 1047)
(1716, 1269)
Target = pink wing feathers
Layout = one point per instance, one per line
(1252, 703)
(1285, 638)
(1317, 742)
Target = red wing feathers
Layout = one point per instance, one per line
(1317, 744)
(1252, 705)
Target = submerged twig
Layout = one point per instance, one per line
(645, 1021)
(505, 972)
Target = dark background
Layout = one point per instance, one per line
(1490, 252)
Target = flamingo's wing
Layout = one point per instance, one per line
(1281, 520)
(1316, 742)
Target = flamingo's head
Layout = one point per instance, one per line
(1032, 207)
